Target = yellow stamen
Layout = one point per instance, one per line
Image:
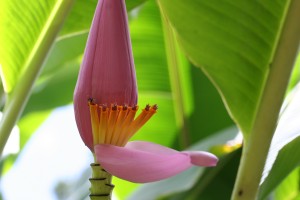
(95, 121)
(113, 115)
(116, 125)
(140, 121)
(103, 124)
(117, 129)
(125, 126)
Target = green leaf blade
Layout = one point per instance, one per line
(234, 47)
(286, 161)
(289, 188)
(21, 23)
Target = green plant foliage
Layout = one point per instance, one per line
(209, 115)
(2, 95)
(287, 160)
(61, 69)
(80, 17)
(251, 68)
(232, 44)
(23, 53)
(7, 163)
(289, 188)
(295, 77)
(25, 27)
(285, 143)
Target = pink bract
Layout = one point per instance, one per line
(107, 73)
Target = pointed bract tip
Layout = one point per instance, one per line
(202, 158)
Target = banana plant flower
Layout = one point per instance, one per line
(106, 109)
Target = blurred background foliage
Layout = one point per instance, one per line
(192, 113)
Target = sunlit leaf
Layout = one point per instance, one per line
(232, 44)
(295, 77)
(2, 95)
(27, 30)
(66, 49)
(7, 163)
(289, 188)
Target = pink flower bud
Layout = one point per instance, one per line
(107, 74)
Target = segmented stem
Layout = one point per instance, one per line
(101, 187)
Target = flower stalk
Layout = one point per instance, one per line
(101, 186)
(176, 61)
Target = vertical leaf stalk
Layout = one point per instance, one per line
(18, 98)
(176, 61)
(256, 146)
(2, 95)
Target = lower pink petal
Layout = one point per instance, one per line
(199, 158)
(142, 162)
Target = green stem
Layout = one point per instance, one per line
(2, 96)
(101, 187)
(256, 147)
(32, 67)
(174, 58)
